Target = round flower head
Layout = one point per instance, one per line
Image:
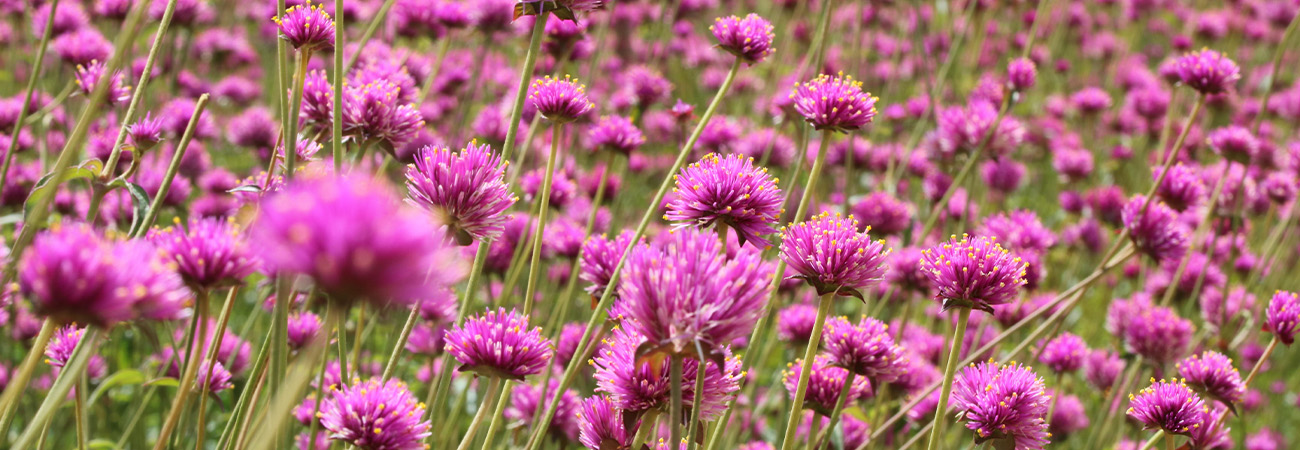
(523, 404)
(1207, 71)
(215, 375)
(1101, 368)
(372, 113)
(1069, 417)
(306, 27)
(824, 385)
(600, 255)
(145, 133)
(1213, 433)
(559, 100)
(1235, 143)
(794, 323)
(207, 252)
(963, 130)
(70, 275)
(1181, 189)
(62, 345)
(727, 192)
(882, 213)
(1004, 404)
(465, 189)
(303, 328)
(375, 415)
(686, 294)
(327, 227)
(637, 384)
(973, 273)
(830, 254)
(750, 39)
(1064, 353)
(1213, 375)
(1283, 316)
(150, 282)
(615, 133)
(1168, 405)
(497, 344)
(1158, 334)
(1020, 230)
(600, 424)
(1157, 233)
(834, 103)
(1021, 74)
(89, 76)
(865, 348)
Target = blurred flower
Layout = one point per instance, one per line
(1157, 232)
(615, 133)
(523, 404)
(207, 252)
(88, 77)
(1064, 353)
(1207, 71)
(750, 39)
(1283, 316)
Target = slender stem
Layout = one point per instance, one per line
(210, 357)
(79, 410)
(521, 90)
(1169, 442)
(138, 94)
(18, 385)
(494, 426)
(366, 35)
(598, 316)
(196, 341)
(1152, 442)
(341, 330)
(675, 399)
(27, 96)
(336, 125)
(809, 360)
(290, 389)
(494, 388)
(1272, 77)
(697, 402)
(960, 179)
(400, 346)
(544, 203)
(954, 352)
(71, 372)
(290, 125)
(1268, 351)
(839, 409)
(156, 206)
(648, 423)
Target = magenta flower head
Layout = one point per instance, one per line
(750, 39)
(1157, 233)
(1234, 143)
(1158, 334)
(636, 384)
(62, 344)
(151, 283)
(326, 227)
(306, 27)
(523, 405)
(833, 256)
(372, 113)
(208, 252)
(834, 103)
(601, 426)
(617, 134)
(145, 133)
(1181, 189)
(825, 384)
(1101, 368)
(1213, 375)
(466, 190)
(600, 255)
(866, 348)
(794, 323)
(1020, 230)
(962, 130)
(1170, 406)
(687, 294)
(1207, 71)
(973, 273)
(1283, 316)
(498, 344)
(89, 76)
(375, 415)
(882, 213)
(727, 192)
(214, 375)
(70, 275)
(1064, 353)
(302, 329)
(1004, 404)
(559, 100)
(1021, 74)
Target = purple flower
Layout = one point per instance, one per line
(1069, 417)
(1181, 189)
(325, 227)
(71, 275)
(1213, 434)
(963, 130)
(794, 323)
(973, 273)
(834, 103)
(371, 113)
(616, 134)
(1168, 405)
(1157, 233)
(307, 27)
(865, 348)
(63, 344)
(1213, 375)
(750, 39)
(426, 340)
(1021, 74)
(646, 85)
(88, 77)
(599, 257)
(145, 133)
(824, 385)
(523, 404)
(208, 252)
(232, 350)
(1220, 310)
(636, 385)
(496, 344)
(1005, 404)
(82, 47)
(1020, 230)
(600, 424)
(1064, 353)
(1283, 316)
(727, 192)
(830, 254)
(1091, 100)
(375, 415)
(882, 213)
(1158, 334)
(559, 100)
(303, 328)
(566, 344)
(686, 293)
(214, 375)
(1207, 71)
(317, 111)
(466, 190)
(1101, 368)
(1235, 143)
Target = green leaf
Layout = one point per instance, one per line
(139, 206)
(165, 382)
(102, 444)
(122, 377)
(44, 187)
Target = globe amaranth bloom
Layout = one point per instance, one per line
(727, 192)
(559, 100)
(213, 375)
(150, 281)
(1069, 417)
(750, 38)
(1064, 353)
(865, 348)
(882, 213)
(62, 344)
(207, 253)
(372, 114)
(326, 227)
(466, 190)
(834, 103)
(1102, 368)
(89, 76)
(1283, 316)
(1021, 74)
(1207, 71)
(600, 255)
(615, 133)
(1157, 232)
(600, 424)
(1158, 334)
(1004, 404)
(303, 329)
(145, 133)
(634, 384)
(497, 344)
(1213, 375)
(306, 27)
(1019, 231)
(1181, 189)
(375, 415)
(1235, 143)
(1170, 406)
(794, 323)
(963, 130)
(831, 254)
(973, 273)
(687, 294)
(825, 384)
(523, 404)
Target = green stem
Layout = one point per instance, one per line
(521, 90)
(368, 34)
(198, 334)
(18, 385)
(27, 96)
(59, 392)
(1268, 351)
(400, 346)
(218, 336)
(694, 425)
(675, 399)
(290, 390)
(156, 206)
(648, 423)
(137, 94)
(494, 427)
(835, 413)
(954, 353)
(494, 389)
(544, 203)
(290, 125)
(809, 361)
(336, 125)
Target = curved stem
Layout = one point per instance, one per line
(694, 426)
(218, 336)
(291, 117)
(494, 388)
(954, 351)
(369, 33)
(544, 203)
(809, 360)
